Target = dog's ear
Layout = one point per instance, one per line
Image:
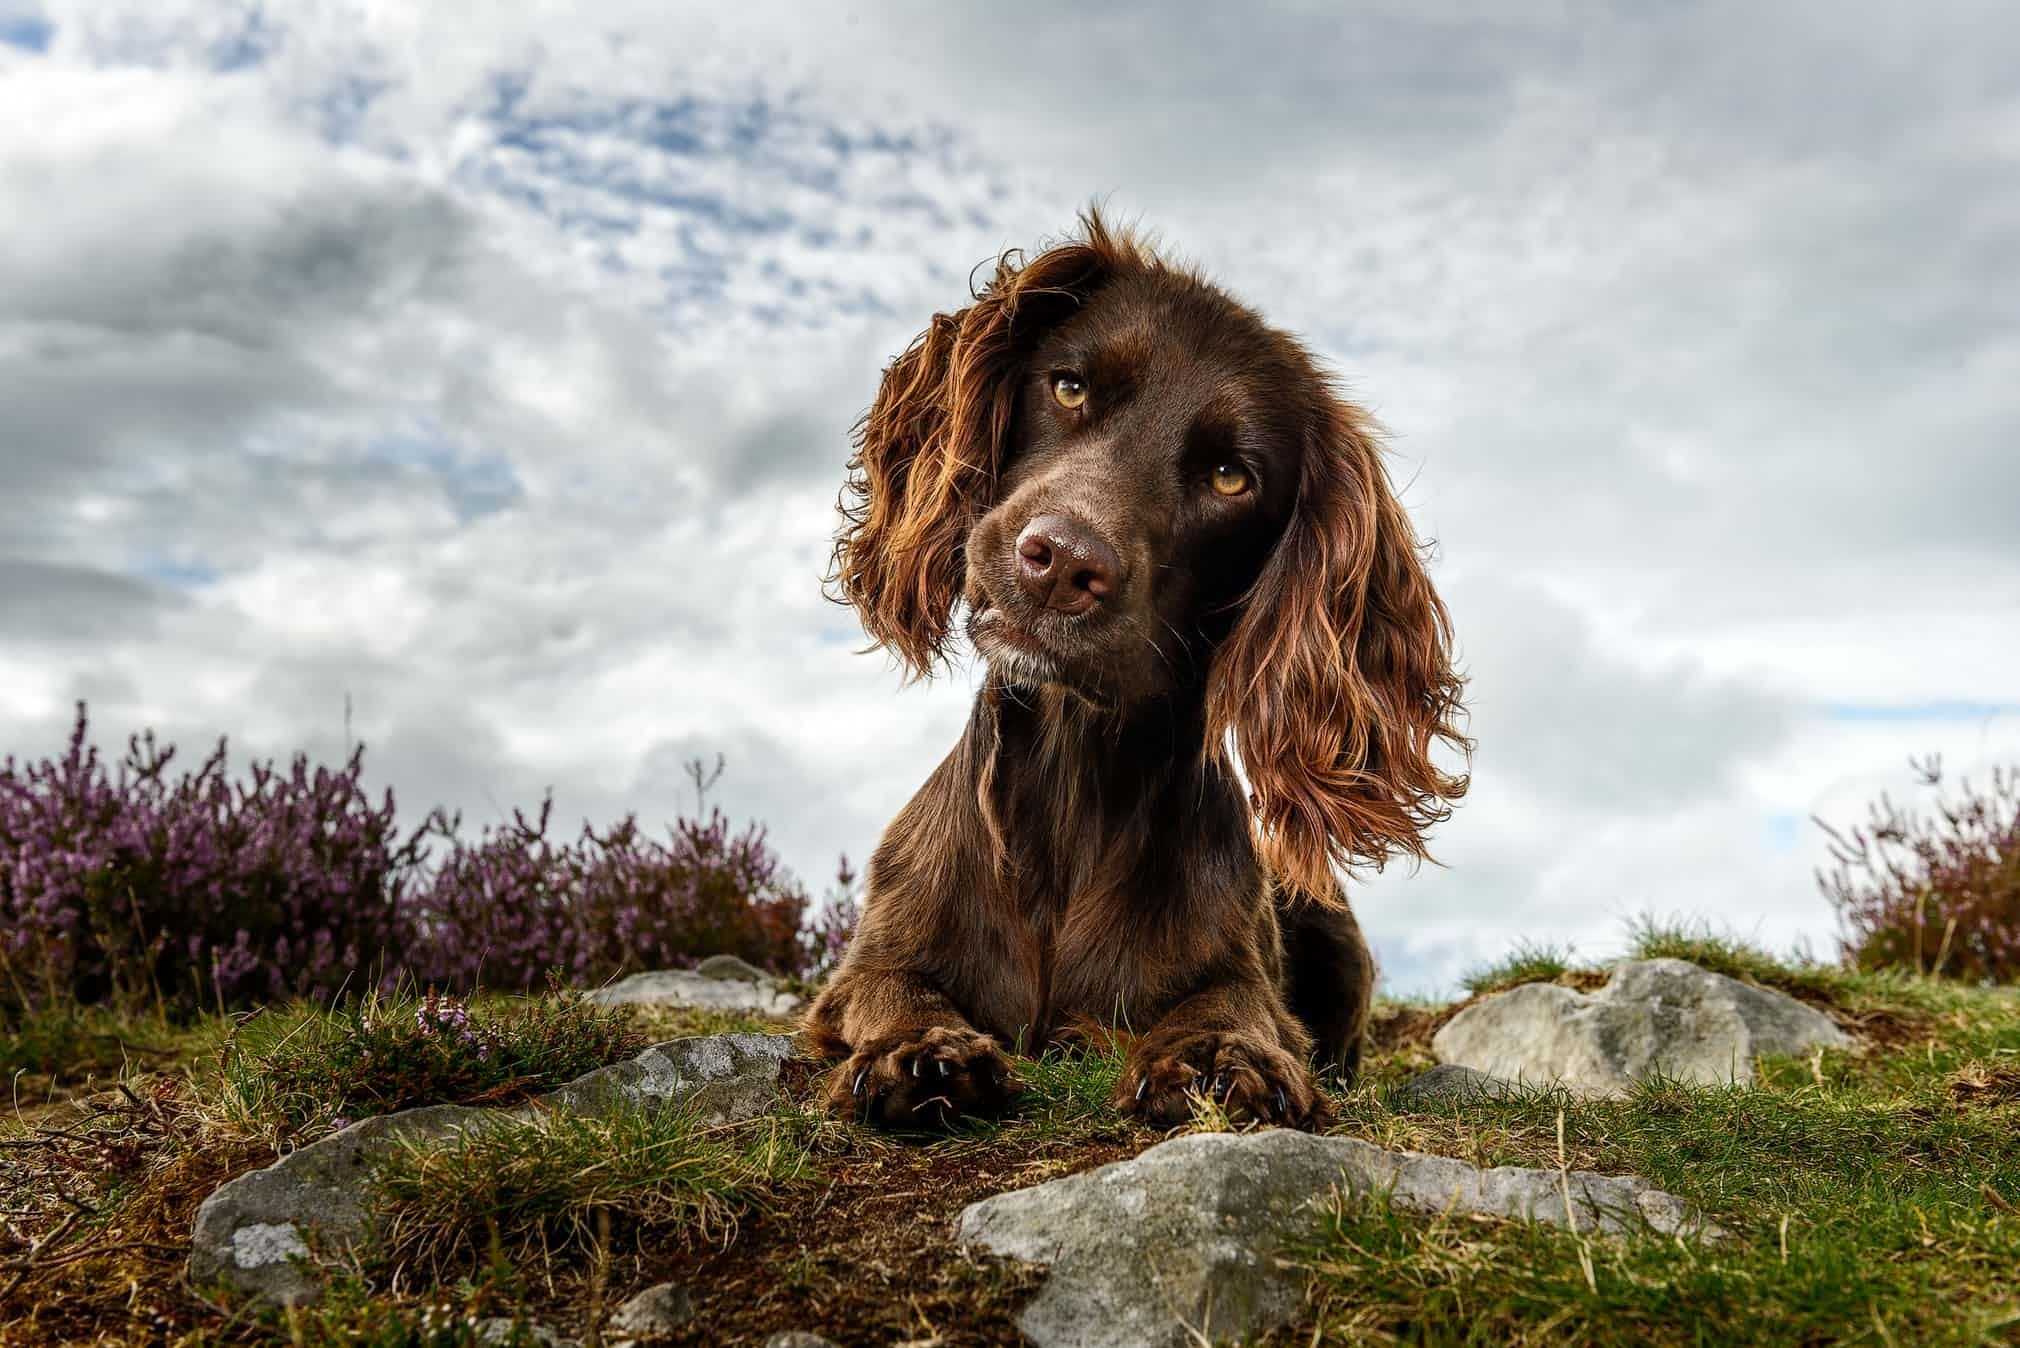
(1338, 678)
(929, 449)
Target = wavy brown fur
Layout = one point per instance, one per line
(927, 450)
(1338, 679)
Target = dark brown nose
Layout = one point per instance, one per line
(1063, 565)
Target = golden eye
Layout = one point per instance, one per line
(1069, 390)
(1230, 479)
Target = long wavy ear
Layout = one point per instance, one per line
(1338, 676)
(929, 449)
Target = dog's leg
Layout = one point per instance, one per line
(1235, 1043)
(909, 1059)
(1329, 978)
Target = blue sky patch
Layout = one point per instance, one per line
(30, 32)
(179, 573)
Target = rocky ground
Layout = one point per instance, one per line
(1697, 1145)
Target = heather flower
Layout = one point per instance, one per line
(124, 881)
(829, 934)
(517, 903)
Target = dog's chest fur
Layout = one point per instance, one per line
(1119, 913)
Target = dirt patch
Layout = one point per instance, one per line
(1392, 1029)
(1886, 1030)
(98, 1212)
(872, 1259)
(1980, 1086)
(867, 1255)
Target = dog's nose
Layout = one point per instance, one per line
(1064, 566)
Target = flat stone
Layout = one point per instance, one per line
(657, 1311)
(257, 1231)
(1180, 1243)
(692, 988)
(1448, 1084)
(797, 1338)
(1654, 1018)
(724, 1077)
(502, 1329)
(730, 967)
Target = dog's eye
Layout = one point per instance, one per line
(1069, 389)
(1230, 479)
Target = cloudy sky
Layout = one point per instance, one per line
(491, 366)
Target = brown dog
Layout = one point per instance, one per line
(1168, 532)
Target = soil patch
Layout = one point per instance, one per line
(872, 1260)
(98, 1212)
(1982, 1086)
(868, 1255)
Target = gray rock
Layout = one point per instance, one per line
(656, 1311)
(1448, 1084)
(257, 1230)
(1179, 1244)
(502, 1329)
(730, 967)
(689, 987)
(723, 1076)
(1661, 1017)
(797, 1338)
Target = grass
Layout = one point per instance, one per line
(1871, 1196)
(52, 1050)
(563, 1187)
(1701, 943)
(1907, 1277)
(1528, 962)
(292, 1076)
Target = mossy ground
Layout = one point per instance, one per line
(1871, 1196)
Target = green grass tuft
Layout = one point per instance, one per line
(290, 1077)
(1529, 962)
(1650, 937)
(564, 1185)
(352, 1315)
(1901, 1277)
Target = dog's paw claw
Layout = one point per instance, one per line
(886, 1081)
(1248, 1079)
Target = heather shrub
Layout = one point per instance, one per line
(516, 903)
(834, 924)
(128, 884)
(1934, 891)
(294, 1076)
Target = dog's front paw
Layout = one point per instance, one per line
(924, 1079)
(1249, 1078)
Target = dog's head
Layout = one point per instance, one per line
(1138, 487)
